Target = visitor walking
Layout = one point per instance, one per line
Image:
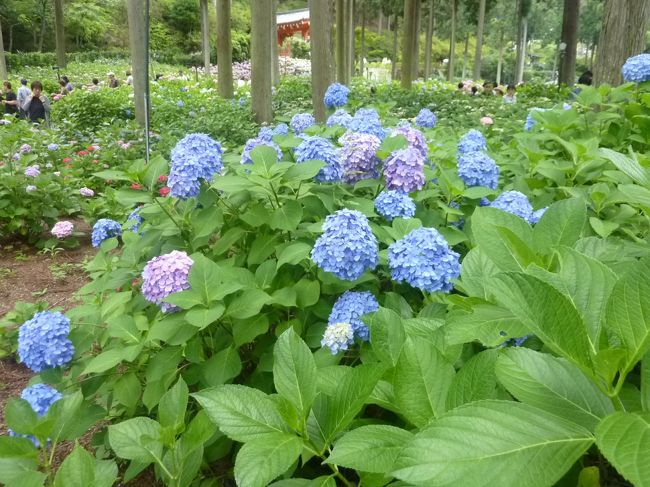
(11, 100)
(37, 106)
(23, 93)
(113, 82)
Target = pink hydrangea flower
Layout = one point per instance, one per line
(87, 192)
(486, 121)
(62, 229)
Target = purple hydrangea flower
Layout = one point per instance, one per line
(87, 192)
(366, 121)
(347, 248)
(424, 260)
(318, 148)
(25, 149)
(637, 68)
(43, 341)
(164, 275)
(16, 156)
(62, 229)
(358, 156)
(394, 204)
(104, 229)
(338, 337)
(32, 171)
(426, 119)
(252, 143)
(478, 169)
(350, 307)
(336, 95)
(53, 147)
(302, 121)
(472, 141)
(196, 157)
(514, 202)
(404, 170)
(414, 137)
(339, 117)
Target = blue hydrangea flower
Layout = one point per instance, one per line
(414, 137)
(424, 260)
(195, 157)
(338, 337)
(426, 119)
(336, 95)
(318, 148)
(347, 248)
(394, 204)
(358, 156)
(366, 121)
(135, 219)
(514, 202)
(637, 68)
(164, 275)
(180, 104)
(43, 341)
(350, 307)
(530, 121)
(472, 141)
(252, 143)
(53, 147)
(281, 129)
(265, 133)
(404, 170)
(536, 216)
(339, 117)
(105, 228)
(40, 397)
(301, 122)
(478, 169)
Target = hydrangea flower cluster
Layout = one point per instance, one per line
(103, 229)
(40, 397)
(426, 119)
(637, 68)
(87, 192)
(43, 341)
(265, 133)
(536, 216)
(394, 204)
(347, 247)
(339, 117)
(366, 121)
(195, 157)
(514, 202)
(52, 147)
(530, 121)
(252, 143)
(414, 137)
(25, 149)
(314, 147)
(338, 337)
(404, 170)
(281, 129)
(30, 189)
(62, 229)
(32, 171)
(358, 156)
(302, 121)
(350, 307)
(165, 275)
(135, 219)
(424, 260)
(472, 141)
(478, 169)
(336, 95)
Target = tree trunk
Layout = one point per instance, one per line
(11, 38)
(415, 64)
(205, 35)
(341, 63)
(139, 66)
(465, 56)
(362, 55)
(59, 33)
(569, 39)
(622, 35)
(500, 60)
(592, 55)
(380, 21)
(393, 68)
(321, 59)
(429, 41)
(224, 49)
(452, 40)
(3, 62)
(261, 27)
(522, 34)
(479, 40)
(410, 19)
(275, 73)
(41, 34)
(350, 45)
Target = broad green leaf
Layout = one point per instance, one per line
(110, 358)
(77, 470)
(629, 166)
(28, 478)
(552, 384)
(71, 417)
(265, 273)
(547, 313)
(487, 323)
(371, 448)
(242, 413)
(645, 382)
(387, 335)
(602, 227)
(202, 317)
(303, 171)
(293, 253)
(172, 406)
(203, 278)
(476, 272)
(127, 390)
(294, 371)
(221, 367)
(421, 381)
(493, 443)
(136, 439)
(476, 380)
(262, 460)
(263, 246)
(156, 167)
(105, 473)
(307, 292)
(561, 224)
(17, 456)
(248, 304)
(287, 217)
(628, 312)
(624, 439)
(20, 416)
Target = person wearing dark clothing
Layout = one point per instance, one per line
(37, 106)
(11, 100)
(585, 79)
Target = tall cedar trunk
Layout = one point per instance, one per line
(350, 44)
(321, 59)
(500, 61)
(380, 21)
(452, 40)
(622, 35)
(410, 23)
(137, 41)
(275, 61)
(415, 65)
(224, 49)
(341, 70)
(479, 40)
(261, 28)
(465, 56)
(522, 33)
(428, 45)
(362, 51)
(569, 37)
(41, 34)
(393, 68)
(205, 35)
(3, 62)
(60, 35)
(592, 55)
(11, 38)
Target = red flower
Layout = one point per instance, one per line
(91, 148)
(164, 191)
(82, 153)
(162, 178)
(67, 159)
(136, 186)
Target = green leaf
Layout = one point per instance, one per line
(303, 171)
(202, 318)
(221, 367)
(624, 439)
(561, 224)
(77, 470)
(493, 443)
(110, 358)
(293, 253)
(17, 456)
(603, 228)
(387, 335)
(204, 276)
(629, 166)
(287, 217)
(422, 378)
(476, 272)
(262, 460)
(105, 473)
(265, 273)
(294, 371)
(248, 304)
(242, 413)
(263, 246)
(71, 417)
(307, 292)
(127, 390)
(20, 416)
(172, 406)
(371, 448)
(487, 323)
(628, 312)
(554, 385)
(185, 299)
(136, 439)
(547, 313)
(476, 380)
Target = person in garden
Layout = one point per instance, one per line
(23, 93)
(94, 86)
(585, 79)
(511, 95)
(37, 106)
(10, 101)
(68, 85)
(63, 89)
(113, 82)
